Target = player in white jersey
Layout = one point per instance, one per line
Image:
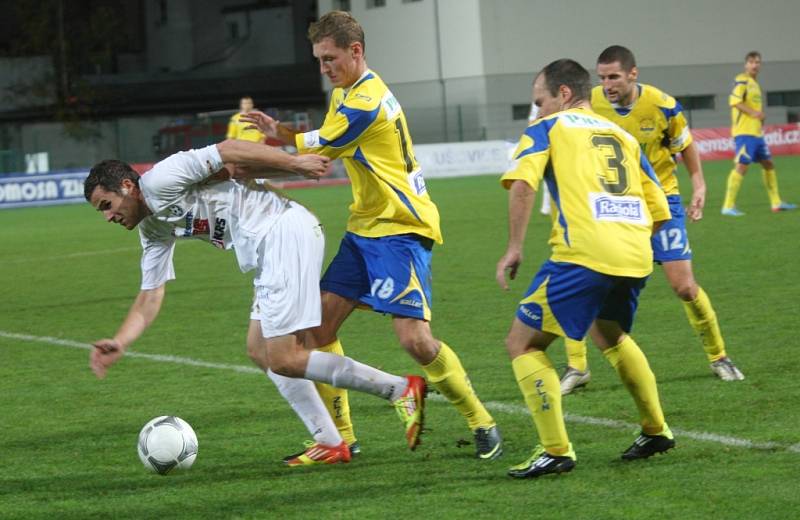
(193, 195)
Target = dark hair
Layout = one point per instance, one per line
(109, 175)
(338, 25)
(618, 53)
(752, 55)
(569, 73)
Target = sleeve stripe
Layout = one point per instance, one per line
(357, 122)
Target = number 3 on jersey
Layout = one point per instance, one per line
(615, 177)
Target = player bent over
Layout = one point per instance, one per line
(384, 259)
(606, 200)
(184, 196)
(657, 122)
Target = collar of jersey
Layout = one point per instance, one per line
(346, 91)
(617, 106)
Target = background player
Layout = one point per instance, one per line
(606, 203)
(384, 260)
(747, 116)
(237, 129)
(657, 122)
(278, 238)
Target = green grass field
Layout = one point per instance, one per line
(68, 441)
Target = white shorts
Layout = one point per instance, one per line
(287, 296)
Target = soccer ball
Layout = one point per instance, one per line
(167, 443)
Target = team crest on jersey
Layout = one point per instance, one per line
(175, 210)
(647, 125)
(617, 208)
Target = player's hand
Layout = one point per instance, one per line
(312, 166)
(760, 115)
(260, 121)
(695, 209)
(225, 174)
(106, 352)
(509, 262)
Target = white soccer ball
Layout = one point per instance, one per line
(167, 443)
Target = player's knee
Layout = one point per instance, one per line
(686, 290)
(285, 365)
(422, 347)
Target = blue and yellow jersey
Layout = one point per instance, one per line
(745, 90)
(237, 130)
(366, 128)
(606, 195)
(657, 122)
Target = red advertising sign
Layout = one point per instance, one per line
(717, 143)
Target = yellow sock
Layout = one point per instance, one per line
(448, 376)
(631, 365)
(576, 353)
(771, 183)
(538, 382)
(703, 320)
(336, 400)
(734, 183)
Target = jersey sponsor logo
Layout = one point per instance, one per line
(647, 125)
(617, 208)
(175, 210)
(417, 182)
(390, 105)
(311, 139)
(362, 97)
(584, 121)
(218, 239)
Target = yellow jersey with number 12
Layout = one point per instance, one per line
(745, 90)
(657, 122)
(365, 127)
(606, 195)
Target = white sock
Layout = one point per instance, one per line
(345, 372)
(302, 396)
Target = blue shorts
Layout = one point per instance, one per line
(390, 274)
(564, 299)
(751, 148)
(671, 242)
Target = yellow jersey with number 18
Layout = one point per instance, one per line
(605, 193)
(657, 122)
(365, 127)
(745, 90)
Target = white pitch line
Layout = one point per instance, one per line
(71, 255)
(496, 406)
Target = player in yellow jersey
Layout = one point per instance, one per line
(384, 260)
(747, 116)
(238, 129)
(606, 203)
(657, 122)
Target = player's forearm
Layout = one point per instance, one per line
(256, 155)
(691, 158)
(252, 173)
(746, 109)
(141, 314)
(520, 204)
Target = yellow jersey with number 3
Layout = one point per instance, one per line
(605, 194)
(745, 90)
(365, 127)
(657, 122)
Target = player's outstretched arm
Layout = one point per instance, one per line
(142, 313)
(520, 203)
(269, 126)
(266, 161)
(691, 157)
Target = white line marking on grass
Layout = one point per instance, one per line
(71, 255)
(496, 406)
